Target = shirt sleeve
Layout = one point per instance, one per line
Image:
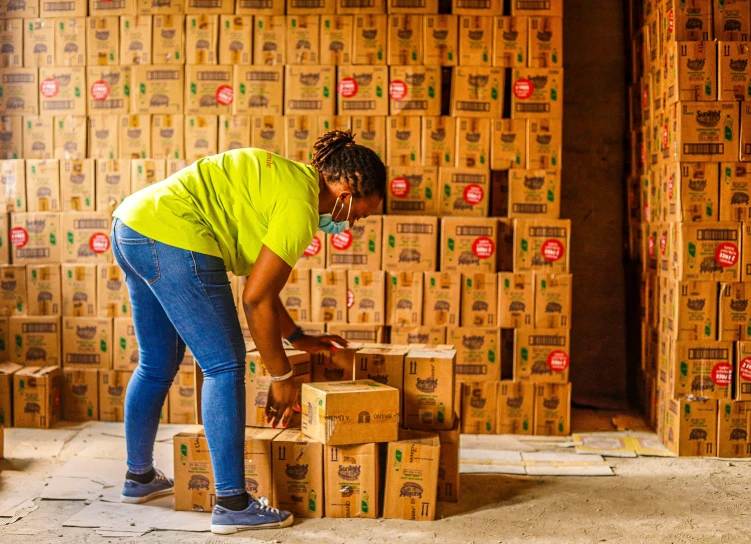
(292, 225)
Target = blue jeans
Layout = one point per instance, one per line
(180, 297)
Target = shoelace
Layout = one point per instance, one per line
(264, 505)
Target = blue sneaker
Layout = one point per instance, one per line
(135, 493)
(258, 515)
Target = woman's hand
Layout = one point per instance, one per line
(317, 344)
(282, 402)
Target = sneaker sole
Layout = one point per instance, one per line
(147, 498)
(232, 529)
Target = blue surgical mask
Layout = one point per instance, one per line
(327, 224)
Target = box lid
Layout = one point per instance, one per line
(356, 386)
(37, 371)
(192, 431)
(260, 434)
(9, 368)
(432, 353)
(419, 437)
(293, 435)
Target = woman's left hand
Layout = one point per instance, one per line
(317, 344)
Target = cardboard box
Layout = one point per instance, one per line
(103, 40)
(706, 132)
(208, 89)
(440, 40)
(404, 296)
(77, 185)
(733, 71)
(87, 343)
(296, 295)
(161, 6)
(260, 7)
(552, 409)
(405, 42)
(57, 9)
(732, 20)
(742, 371)
(35, 238)
(352, 332)
(412, 190)
(510, 42)
(86, 237)
(733, 429)
(542, 355)
(37, 137)
(36, 397)
(478, 355)
(112, 180)
(158, 89)
(475, 40)
(11, 129)
(516, 405)
(112, 387)
(125, 344)
(479, 407)
(4, 241)
(44, 289)
(477, 91)
(415, 90)
(300, 136)
(464, 192)
(479, 296)
(370, 37)
(690, 311)
(735, 315)
(403, 141)
(448, 469)
(39, 42)
(429, 389)
(194, 476)
(412, 469)
(298, 475)
(516, 300)
(201, 137)
(267, 133)
(79, 291)
(22, 8)
(357, 248)
(135, 39)
(542, 245)
(508, 144)
(362, 90)
(235, 39)
(308, 7)
(544, 144)
(167, 139)
(328, 298)
(19, 94)
(473, 138)
(309, 90)
(80, 395)
(112, 7)
(70, 41)
(545, 42)
(441, 301)
(269, 43)
(371, 133)
(534, 194)
(6, 388)
(314, 255)
(735, 191)
(410, 243)
(537, 92)
(691, 427)
(145, 172)
(303, 35)
(112, 292)
(259, 382)
(175, 165)
(11, 43)
(43, 185)
(553, 293)
(168, 39)
(690, 22)
(381, 364)
(366, 297)
(325, 123)
(103, 137)
(373, 417)
(352, 481)
(335, 365)
(182, 399)
(417, 335)
(691, 72)
(201, 39)
(412, 6)
(360, 6)
(707, 252)
(61, 90)
(468, 244)
(210, 6)
(438, 141)
(259, 90)
(13, 291)
(701, 369)
(135, 136)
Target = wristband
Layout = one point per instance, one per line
(295, 336)
(283, 377)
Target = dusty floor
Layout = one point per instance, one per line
(649, 500)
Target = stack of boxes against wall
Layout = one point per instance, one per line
(688, 199)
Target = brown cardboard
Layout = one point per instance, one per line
(478, 354)
(516, 405)
(381, 364)
(259, 90)
(552, 409)
(43, 185)
(441, 40)
(733, 70)
(36, 397)
(23, 8)
(735, 189)
(441, 301)
(125, 344)
(732, 20)
(303, 35)
(135, 39)
(516, 300)
(438, 141)
(370, 38)
(733, 429)
(477, 91)
(479, 407)
(4, 241)
(314, 255)
(412, 6)
(298, 475)
(37, 137)
(404, 295)
(157, 89)
(328, 298)
(103, 137)
(201, 136)
(309, 90)
(510, 42)
(326, 123)
(468, 244)
(542, 245)
(87, 343)
(362, 90)
(335, 365)
(473, 138)
(706, 132)
(412, 467)
(542, 355)
(534, 194)
(366, 297)
(735, 317)
(479, 296)
(259, 382)
(210, 6)
(464, 191)
(356, 332)
(691, 309)
(44, 289)
(135, 137)
(57, 9)
(112, 7)
(742, 371)
(80, 395)
(300, 136)
(112, 179)
(79, 290)
(112, 387)
(39, 42)
(553, 293)
(307, 7)
(182, 399)
(410, 243)
(405, 44)
(296, 295)
(160, 6)
(11, 40)
(415, 90)
(545, 42)
(70, 41)
(690, 192)
(102, 40)
(412, 190)
(691, 427)
(86, 237)
(201, 39)
(6, 392)
(36, 238)
(544, 144)
(69, 138)
(167, 140)
(475, 40)
(359, 247)
(235, 39)
(144, 172)
(168, 39)
(175, 165)
(19, 91)
(62, 90)
(112, 293)
(707, 252)
(13, 291)
(371, 133)
(691, 72)
(429, 389)
(260, 7)
(417, 336)
(361, 6)
(77, 185)
(11, 129)
(701, 369)
(267, 133)
(448, 470)
(269, 43)
(208, 89)
(537, 92)
(339, 413)
(508, 144)
(352, 481)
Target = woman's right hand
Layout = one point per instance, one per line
(282, 402)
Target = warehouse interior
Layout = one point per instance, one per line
(609, 475)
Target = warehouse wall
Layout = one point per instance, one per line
(593, 131)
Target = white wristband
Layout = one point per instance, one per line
(286, 376)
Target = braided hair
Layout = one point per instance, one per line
(339, 158)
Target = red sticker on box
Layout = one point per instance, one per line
(473, 194)
(397, 89)
(645, 98)
(744, 369)
(558, 361)
(643, 155)
(646, 212)
(19, 236)
(671, 182)
(552, 250)
(99, 243)
(726, 254)
(49, 87)
(100, 90)
(665, 139)
(399, 187)
(224, 95)
(483, 247)
(342, 241)
(350, 298)
(314, 248)
(663, 243)
(671, 21)
(348, 87)
(523, 88)
(722, 374)
(651, 246)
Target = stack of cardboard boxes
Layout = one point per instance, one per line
(688, 198)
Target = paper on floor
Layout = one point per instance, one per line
(607, 444)
(158, 514)
(36, 443)
(71, 489)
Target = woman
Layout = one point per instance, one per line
(253, 213)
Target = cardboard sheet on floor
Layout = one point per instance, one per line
(507, 442)
(606, 444)
(36, 443)
(17, 494)
(482, 461)
(61, 488)
(648, 445)
(564, 464)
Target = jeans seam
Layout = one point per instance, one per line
(152, 243)
(230, 492)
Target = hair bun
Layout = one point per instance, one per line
(330, 143)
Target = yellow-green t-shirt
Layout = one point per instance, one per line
(229, 205)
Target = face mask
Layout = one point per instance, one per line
(327, 224)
